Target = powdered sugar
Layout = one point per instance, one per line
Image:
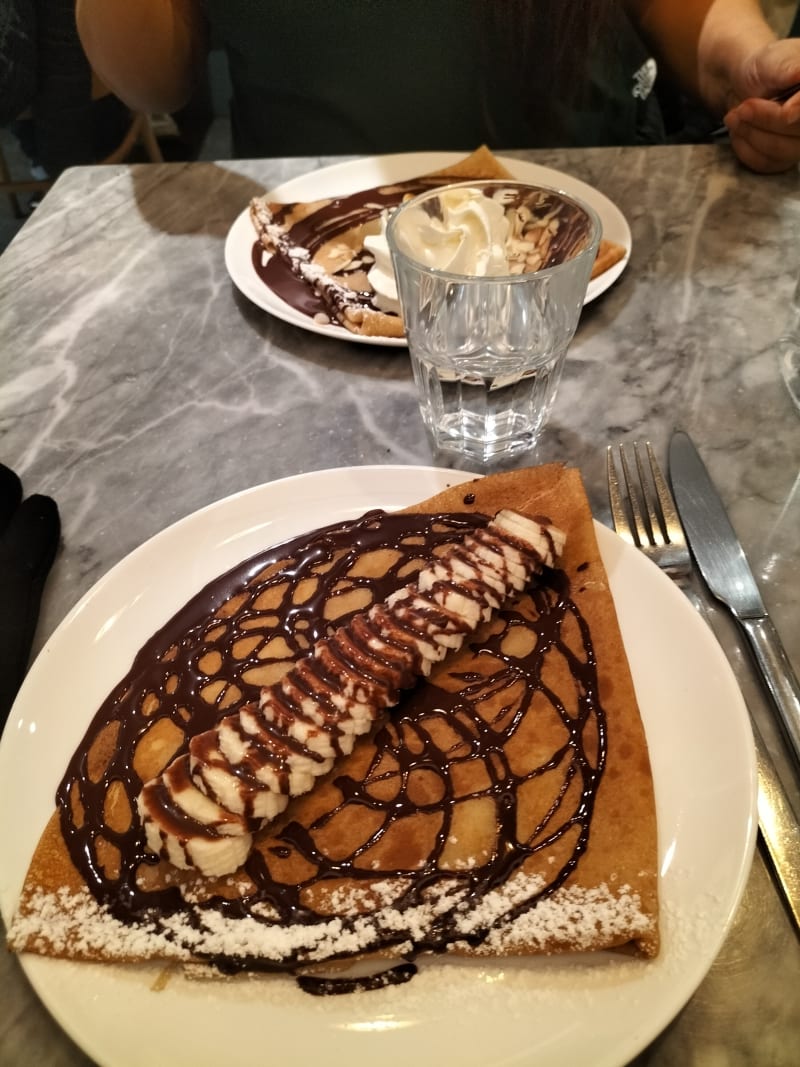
(570, 918)
(582, 916)
(75, 922)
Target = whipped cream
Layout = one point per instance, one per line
(381, 274)
(468, 238)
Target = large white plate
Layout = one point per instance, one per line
(600, 1010)
(350, 177)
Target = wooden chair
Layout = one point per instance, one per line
(12, 188)
(139, 133)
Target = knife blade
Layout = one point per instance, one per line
(724, 567)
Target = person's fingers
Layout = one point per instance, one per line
(767, 153)
(769, 70)
(765, 135)
(768, 115)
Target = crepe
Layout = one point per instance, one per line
(609, 253)
(505, 807)
(319, 262)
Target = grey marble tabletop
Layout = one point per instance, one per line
(138, 385)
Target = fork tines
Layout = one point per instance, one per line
(645, 515)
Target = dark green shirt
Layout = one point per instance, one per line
(318, 77)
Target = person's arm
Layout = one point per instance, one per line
(704, 43)
(148, 52)
(725, 53)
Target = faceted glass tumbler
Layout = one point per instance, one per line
(487, 352)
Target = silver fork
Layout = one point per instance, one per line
(647, 501)
(656, 530)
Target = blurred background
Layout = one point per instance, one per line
(201, 131)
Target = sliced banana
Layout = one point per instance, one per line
(202, 811)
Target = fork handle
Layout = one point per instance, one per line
(778, 676)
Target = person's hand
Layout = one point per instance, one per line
(765, 134)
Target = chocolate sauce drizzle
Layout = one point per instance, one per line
(323, 225)
(200, 666)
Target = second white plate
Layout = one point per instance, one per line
(350, 177)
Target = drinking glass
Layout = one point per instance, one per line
(789, 349)
(487, 352)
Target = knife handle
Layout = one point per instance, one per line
(780, 679)
(779, 828)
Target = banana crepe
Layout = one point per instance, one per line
(320, 254)
(503, 807)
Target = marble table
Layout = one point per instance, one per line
(138, 385)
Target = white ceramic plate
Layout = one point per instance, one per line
(350, 177)
(593, 1009)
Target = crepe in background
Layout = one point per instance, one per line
(319, 262)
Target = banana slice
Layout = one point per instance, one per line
(203, 809)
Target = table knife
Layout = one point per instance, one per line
(722, 563)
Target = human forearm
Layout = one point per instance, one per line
(706, 45)
(724, 52)
(148, 52)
